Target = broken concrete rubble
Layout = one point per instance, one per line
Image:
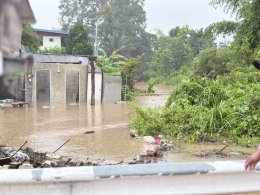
(28, 158)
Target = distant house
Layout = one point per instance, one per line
(13, 14)
(56, 38)
(52, 38)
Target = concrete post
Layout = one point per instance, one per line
(92, 83)
(29, 80)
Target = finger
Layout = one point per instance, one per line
(252, 167)
(246, 167)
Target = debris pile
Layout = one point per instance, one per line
(6, 103)
(28, 158)
(220, 153)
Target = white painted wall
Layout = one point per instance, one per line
(48, 44)
(98, 87)
(1, 64)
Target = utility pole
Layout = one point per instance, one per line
(92, 63)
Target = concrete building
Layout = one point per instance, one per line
(111, 88)
(44, 78)
(59, 79)
(51, 38)
(67, 79)
(56, 38)
(13, 14)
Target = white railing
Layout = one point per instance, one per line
(223, 177)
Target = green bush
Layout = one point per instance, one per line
(202, 109)
(126, 94)
(53, 50)
(213, 62)
(151, 84)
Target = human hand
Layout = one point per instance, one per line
(252, 160)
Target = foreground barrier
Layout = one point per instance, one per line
(223, 177)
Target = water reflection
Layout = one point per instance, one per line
(47, 128)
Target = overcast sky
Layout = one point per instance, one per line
(161, 14)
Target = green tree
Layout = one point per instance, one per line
(86, 12)
(174, 31)
(123, 27)
(109, 64)
(146, 48)
(246, 31)
(77, 42)
(121, 23)
(213, 62)
(128, 68)
(171, 53)
(177, 50)
(30, 40)
(196, 39)
(116, 64)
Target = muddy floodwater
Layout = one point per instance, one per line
(46, 128)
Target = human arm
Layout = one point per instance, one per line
(252, 160)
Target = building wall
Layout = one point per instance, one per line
(111, 88)
(12, 81)
(10, 38)
(48, 44)
(1, 63)
(58, 80)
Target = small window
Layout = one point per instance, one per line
(51, 40)
(7, 26)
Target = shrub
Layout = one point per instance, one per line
(202, 109)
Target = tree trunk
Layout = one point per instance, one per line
(92, 83)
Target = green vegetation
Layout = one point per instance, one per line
(110, 64)
(119, 65)
(121, 24)
(53, 50)
(172, 52)
(77, 43)
(202, 109)
(151, 84)
(218, 93)
(121, 27)
(29, 39)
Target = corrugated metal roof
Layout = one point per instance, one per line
(51, 31)
(65, 59)
(61, 32)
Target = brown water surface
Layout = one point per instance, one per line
(47, 128)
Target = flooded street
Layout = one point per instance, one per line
(47, 128)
